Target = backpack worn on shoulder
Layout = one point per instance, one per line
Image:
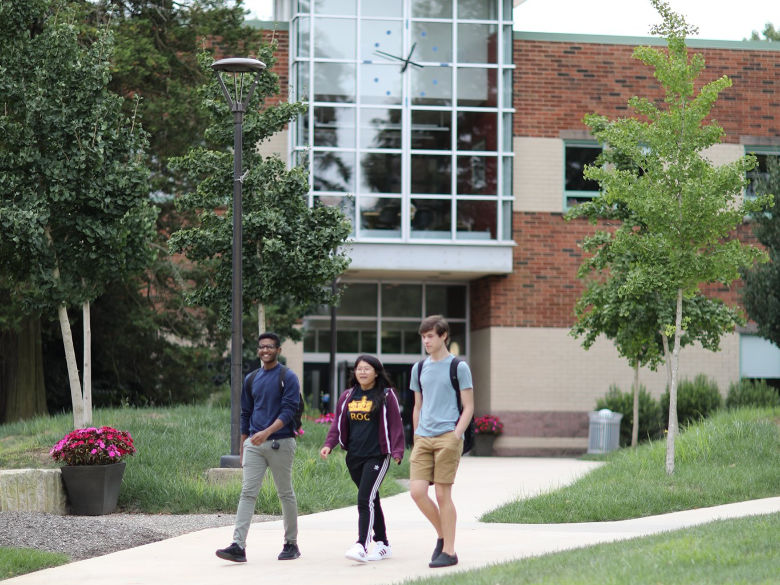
(282, 373)
(468, 435)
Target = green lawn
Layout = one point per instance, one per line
(729, 552)
(18, 561)
(731, 457)
(175, 448)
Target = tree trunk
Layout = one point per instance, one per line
(79, 418)
(260, 319)
(672, 430)
(22, 388)
(87, 358)
(635, 426)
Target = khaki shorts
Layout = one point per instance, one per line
(435, 459)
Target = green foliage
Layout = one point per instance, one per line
(74, 210)
(753, 393)
(291, 252)
(761, 293)
(730, 457)
(771, 34)
(696, 400)
(678, 212)
(651, 420)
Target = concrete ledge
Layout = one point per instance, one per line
(32, 490)
(223, 475)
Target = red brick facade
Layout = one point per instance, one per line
(557, 83)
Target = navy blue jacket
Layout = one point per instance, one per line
(262, 404)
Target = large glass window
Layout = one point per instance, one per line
(411, 122)
(383, 318)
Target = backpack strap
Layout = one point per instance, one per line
(453, 378)
(282, 373)
(251, 379)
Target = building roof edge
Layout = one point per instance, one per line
(634, 41)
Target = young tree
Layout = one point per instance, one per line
(74, 210)
(687, 208)
(761, 294)
(291, 253)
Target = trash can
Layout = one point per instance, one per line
(604, 431)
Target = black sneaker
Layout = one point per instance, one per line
(443, 560)
(289, 552)
(232, 553)
(438, 549)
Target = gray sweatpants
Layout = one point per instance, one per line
(257, 459)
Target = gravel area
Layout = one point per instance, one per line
(84, 537)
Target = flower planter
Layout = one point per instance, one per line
(93, 490)
(483, 445)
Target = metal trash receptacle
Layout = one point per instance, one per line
(604, 431)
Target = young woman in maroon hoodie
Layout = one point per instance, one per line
(368, 427)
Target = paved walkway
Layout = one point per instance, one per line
(482, 484)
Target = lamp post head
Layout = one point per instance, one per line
(238, 65)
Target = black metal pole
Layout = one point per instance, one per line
(237, 339)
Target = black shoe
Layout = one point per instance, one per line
(443, 560)
(289, 552)
(438, 549)
(232, 553)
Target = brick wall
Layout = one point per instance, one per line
(557, 83)
(543, 287)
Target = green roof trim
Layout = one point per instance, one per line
(635, 41)
(268, 24)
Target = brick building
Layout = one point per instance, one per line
(455, 145)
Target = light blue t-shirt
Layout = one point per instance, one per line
(439, 413)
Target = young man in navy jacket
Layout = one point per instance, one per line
(267, 441)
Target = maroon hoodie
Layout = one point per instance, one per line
(391, 429)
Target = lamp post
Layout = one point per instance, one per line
(238, 68)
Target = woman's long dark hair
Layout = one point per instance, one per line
(382, 381)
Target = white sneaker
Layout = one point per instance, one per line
(357, 553)
(381, 552)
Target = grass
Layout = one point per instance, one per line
(18, 561)
(175, 448)
(732, 456)
(729, 552)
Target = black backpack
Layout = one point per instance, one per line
(468, 436)
(282, 373)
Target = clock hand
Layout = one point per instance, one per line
(389, 55)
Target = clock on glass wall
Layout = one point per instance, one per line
(406, 62)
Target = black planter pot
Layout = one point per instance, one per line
(93, 490)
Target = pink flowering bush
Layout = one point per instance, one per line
(488, 425)
(325, 419)
(93, 446)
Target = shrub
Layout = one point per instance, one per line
(696, 400)
(650, 416)
(752, 393)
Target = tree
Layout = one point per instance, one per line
(74, 212)
(761, 294)
(292, 252)
(688, 208)
(771, 34)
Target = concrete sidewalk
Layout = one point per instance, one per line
(482, 484)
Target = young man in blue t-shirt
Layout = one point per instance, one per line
(267, 441)
(438, 435)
